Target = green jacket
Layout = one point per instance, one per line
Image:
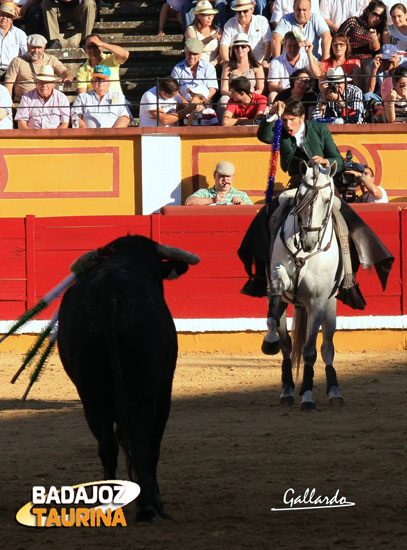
(318, 141)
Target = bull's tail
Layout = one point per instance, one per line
(131, 432)
(298, 336)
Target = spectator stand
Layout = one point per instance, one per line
(134, 26)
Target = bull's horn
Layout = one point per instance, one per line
(171, 253)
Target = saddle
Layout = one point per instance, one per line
(365, 249)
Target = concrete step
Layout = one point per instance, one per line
(138, 27)
(70, 41)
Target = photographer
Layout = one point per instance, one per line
(339, 102)
(371, 193)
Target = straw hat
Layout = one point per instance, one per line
(9, 8)
(240, 5)
(204, 7)
(45, 74)
(241, 39)
(336, 74)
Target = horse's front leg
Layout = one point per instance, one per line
(335, 398)
(287, 395)
(279, 283)
(316, 314)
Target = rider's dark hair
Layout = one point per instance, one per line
(294, 107)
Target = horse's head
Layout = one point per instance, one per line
(313, 202)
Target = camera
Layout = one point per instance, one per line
(346, 183)
(333, 87)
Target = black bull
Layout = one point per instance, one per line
(118, 344)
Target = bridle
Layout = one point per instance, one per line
(308, 200)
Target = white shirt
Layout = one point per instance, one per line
(6, 103)
(12, 45)
(149, 103)
(340, 10)
(259, 34)
(369, 197)
(282, 7)
(280, 68)
(101, 113)
(300, 135)
(398, 39)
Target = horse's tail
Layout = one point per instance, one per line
(298, 336)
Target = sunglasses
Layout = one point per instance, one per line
(341, 44)
(376, 14)
(240, 46)
(244, 11)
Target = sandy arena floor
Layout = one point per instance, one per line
(229, 454)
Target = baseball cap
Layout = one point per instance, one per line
(101, 71)
(225, 168)
(388, 50)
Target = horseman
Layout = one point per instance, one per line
(305, 140)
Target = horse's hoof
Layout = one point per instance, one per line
(270, 348)
(335, 399)
(286, 400)
(308, 406)
(336, 402)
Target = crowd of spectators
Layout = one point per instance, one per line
(343, 60)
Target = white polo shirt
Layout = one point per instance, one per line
(259, 34)
(280, 68)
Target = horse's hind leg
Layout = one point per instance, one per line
(328, 353)
(312, 321)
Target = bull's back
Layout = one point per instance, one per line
(116, 318)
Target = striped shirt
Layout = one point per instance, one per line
(211, 194)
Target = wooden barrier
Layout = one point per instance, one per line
(138, 170)
(36, 252)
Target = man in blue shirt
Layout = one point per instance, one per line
(193, 70)
(306, 25)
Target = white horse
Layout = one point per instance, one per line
(306, 270)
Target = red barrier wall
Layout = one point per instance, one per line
(35, 254)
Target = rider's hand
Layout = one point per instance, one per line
(320, 160)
